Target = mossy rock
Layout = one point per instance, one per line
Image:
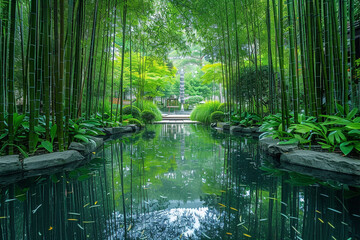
(134, 111)
(148, 116)
(135, 121)
(217, 116)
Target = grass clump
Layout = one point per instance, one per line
(135, 121)
(203, 112)
(148, 116)
(217, 116)
(133, 111)
(150, 106)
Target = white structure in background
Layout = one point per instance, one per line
(182, 90)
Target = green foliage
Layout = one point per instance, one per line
(247, 119)
(83, 130)
(135, 121)
(194, 100)
(222, 107)
(134, 111)
(148, 116)
(203, 112)
(336, 132)
(150, 106)
(217, 116)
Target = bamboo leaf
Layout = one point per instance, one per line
(82, 138)
(346, 147)
(48, 146)
(53, 132)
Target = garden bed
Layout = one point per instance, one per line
(76, 153)
(292, 154)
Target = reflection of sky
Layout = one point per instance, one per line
(184, 221)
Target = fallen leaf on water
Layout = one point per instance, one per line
(221, 204)
(73, 219)
(318, 211)
(96, 202)
(247, 235)
(229, 233)
(86, 204)
(50, 228)
(321, 220)
(331, 225)
(234, 209)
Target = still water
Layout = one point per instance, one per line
(179, 182)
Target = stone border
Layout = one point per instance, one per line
(325, 161)
(330, 163)
(236, 130)
(11, 165)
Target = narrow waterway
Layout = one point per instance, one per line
(179, 182)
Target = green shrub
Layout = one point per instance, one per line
(222, 107)
(148, 116)
(134, 111)
(217, 116)
(202, 112)
(194, 100)
(150, 106)
(135, 121)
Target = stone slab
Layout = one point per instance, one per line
(10, 164)
(271, 147)
(51, 160)
(325, 161)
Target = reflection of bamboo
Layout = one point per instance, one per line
(113, 187)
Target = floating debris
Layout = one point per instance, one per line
(96, 202)
(94, 206)
(285, 204)
(318, 211)
(223, 191)
(86, 204)
(205, 235)
(355, 215)
(334, 210)
(331, 225)
(324, 195)
(10, 200)
(321, 220)
(272, 198)
(163, 197)
(80, 227)
(234, 209)
(247, 235)
(34, 211)
(284, 215)
(344, 223)
(50, 228)
(228, 233)
(73, 219)
(129, 227)
(294, 218)
(245, 228)
(333, 237)
(241, 224)
(74, 213)
(264, 219)
(222, 205)
(88, 221)
(296, 230)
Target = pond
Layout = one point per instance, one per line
(179, 182)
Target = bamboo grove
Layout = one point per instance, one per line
(308, 48)
(65, 60)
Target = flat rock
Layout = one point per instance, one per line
(10, 164)
(272, 147)
(77, 146)
(51, 160)
(325, 161)
(118, 130)
(247, 130)
(235, 129)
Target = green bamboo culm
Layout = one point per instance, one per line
(11, 89)
(344, 54)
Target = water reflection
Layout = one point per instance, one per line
(178, 182)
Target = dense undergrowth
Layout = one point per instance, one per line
(78, 130)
